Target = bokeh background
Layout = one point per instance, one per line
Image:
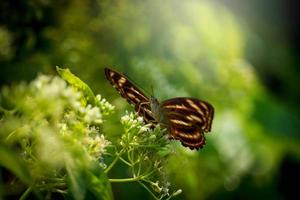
(242, 56)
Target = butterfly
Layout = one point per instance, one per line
(186, 119)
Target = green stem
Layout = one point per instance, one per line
(139, 169)
(137, 178)
(121, 180)
(145, 146)
(169, 197)
(149, 174)
(129, 156)
(124, 161)
(144, 186)
(26, 193)
(113, 162)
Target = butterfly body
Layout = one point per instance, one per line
(157, 112)
(186, 119)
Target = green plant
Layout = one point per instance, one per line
(52, 143)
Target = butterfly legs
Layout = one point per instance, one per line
(142, 109)
(140, 106)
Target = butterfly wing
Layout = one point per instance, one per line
(131, 93)
(188, 119)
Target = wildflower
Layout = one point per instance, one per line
(97, 146)
(104, 105)
(92, 115)
(131, 121)
(156, 187)
(125, 119)
(63, 127)
(146, 128)
(40, 81)
(165, 189)
(72, 96)
(51, 89)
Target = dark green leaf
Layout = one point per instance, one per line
(11, 161)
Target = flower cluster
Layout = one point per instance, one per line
(105, 107)
(53, 130)
(137, 133)
(147, 149)
(54, 126)
(86, 117)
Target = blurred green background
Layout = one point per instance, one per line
(241, 56)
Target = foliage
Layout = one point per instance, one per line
(52, 142)
(201, 49)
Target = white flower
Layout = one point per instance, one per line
(40, 81)
(125, 119)
(131, 120)
(165, 189)
(54, 88)
(93, 115)
(97, 146)
(145, 128)
(63, 127)
(72, 96)
(106, 108)
(48, 87)
(140, 119)
(156, 187)
(98, 98)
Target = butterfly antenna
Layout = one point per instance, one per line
(152, 91)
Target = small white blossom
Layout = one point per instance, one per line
(140, 119)
(134, 121)
(93, 129)
(165, 189)
(125, 119)
(93, 115)
(54, 88)
(63, 127)
(72, 96)
(97, 146)
(106, 108)
(145, 128)
(40, 81)
(98, 98)
(156, 187)
(48, 87)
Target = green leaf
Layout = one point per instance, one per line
(11, 161)
(76, 181)
(78, 84)
(89, 183)
(98, 184)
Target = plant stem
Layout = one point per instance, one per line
(137, 178)
(124, 161)
(113, 162)
(125, 179)
(153, 195)
(26, 193)
(139, 169)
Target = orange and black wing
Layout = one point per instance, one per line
(131, 93)
(188, 119)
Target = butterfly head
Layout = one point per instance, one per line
(156, 110)
(154, 103)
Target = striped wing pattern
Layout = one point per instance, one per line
(131, 93)
(186, 118)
